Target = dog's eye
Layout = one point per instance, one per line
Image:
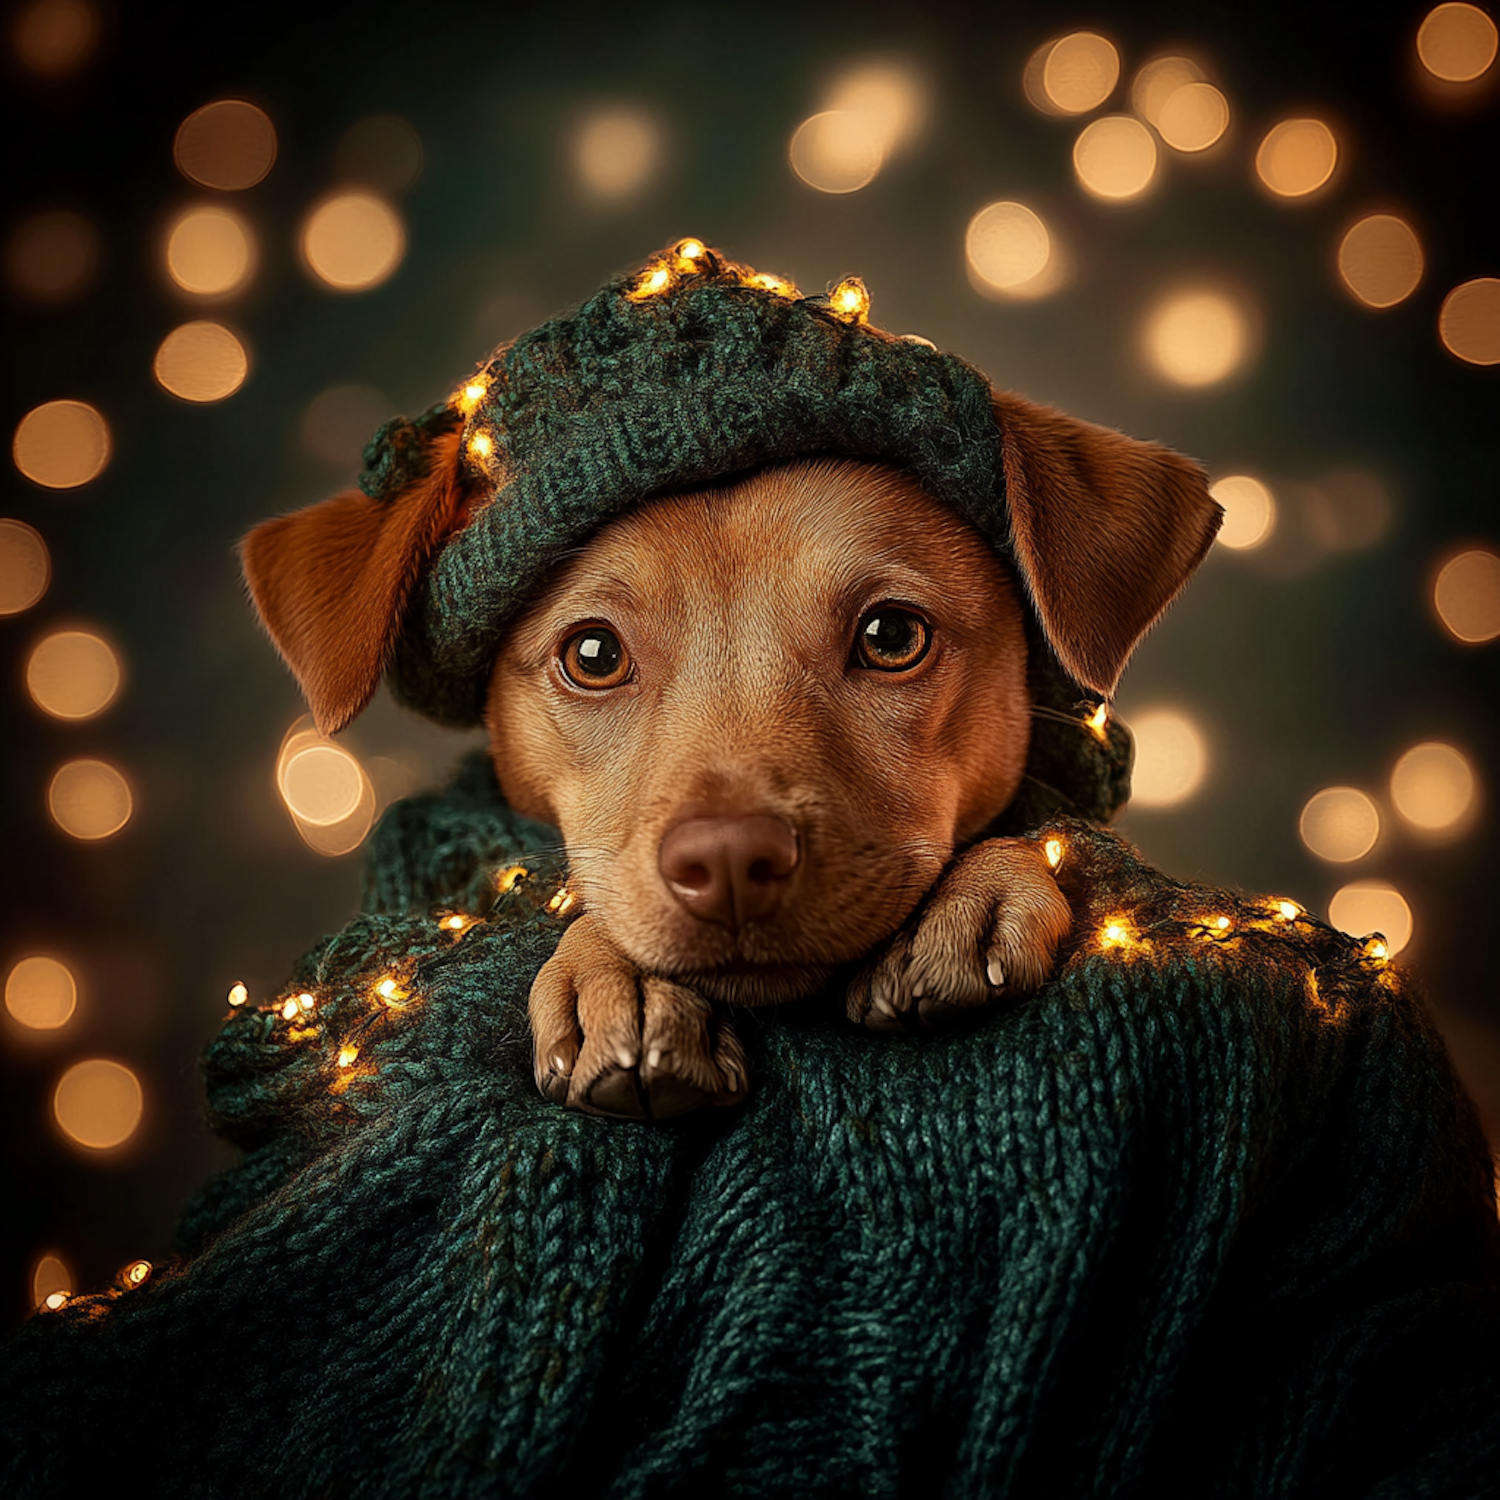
(594, 658)
(891, 639)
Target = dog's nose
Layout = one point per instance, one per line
(729, 870)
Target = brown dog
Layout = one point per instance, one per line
(764, 716)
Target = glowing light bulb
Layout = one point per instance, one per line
(505, 880)
(481, 445)
(392, 993)
(650, 282)
(850, 300)
(1116, 932)
(1099, 719)
(238, 994)
(305, 1001)
(289, 1010)
(1053, 850)
(561, 902)
(54, 1300)
(778, 286)
(1222, 923)
(1287, 911)
(1377, 949)
(136, 1272)
(347, 1053)
(471, 395)
(689, 253)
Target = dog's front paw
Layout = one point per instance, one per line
(613, 1041)
(988, 929)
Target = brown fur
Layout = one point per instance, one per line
(1106, 531)
(332, 583)
(744, 709)
(741, 615)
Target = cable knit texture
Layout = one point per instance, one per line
(1208, 1215)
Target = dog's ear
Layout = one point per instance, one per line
(1105, 531)
(331, 583)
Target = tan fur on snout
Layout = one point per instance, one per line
(738, 607)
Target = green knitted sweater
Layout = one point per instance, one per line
(1209, 1215)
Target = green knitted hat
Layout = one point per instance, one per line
(680, 375)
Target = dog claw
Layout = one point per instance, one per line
(995, 973)
(611, 1040)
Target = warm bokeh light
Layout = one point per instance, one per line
(1457, 43)
(837, 151)
(1249, 511)
(50, 1277)
(870, 111)
(73, 674)
(320, 784)
(89, 799)
(1347, 510)
(1157, 80)
(53, 38)
(98, 1103)
(229, 144)
(51, 256)
(1196, 337)
(41, 994)
(1193, 116)
(616, 152)
(1171, 758)
(1380, 260)
(1009, 249)
(1433, 788)
(1296, 157)
(353, 241)
(25, 567)
(1339, 824)
(1364, 907)
(1115, 157)
(1078, 72)
(1466, 596)
(887, 95)
(61, 444)
(382, 151)
(210, 252)
(325, 789)
(201, 361)
(338, 422)
(1469, 322)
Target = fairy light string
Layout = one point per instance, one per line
(1125, 914)
(349, 1028)
(350, 1014)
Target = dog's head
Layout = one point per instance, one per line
(761, 709)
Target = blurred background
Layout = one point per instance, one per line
(236, 241)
